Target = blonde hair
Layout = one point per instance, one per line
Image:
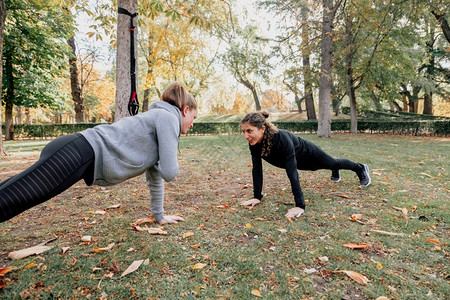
(259, 119)
(192, 103)
(176, 95)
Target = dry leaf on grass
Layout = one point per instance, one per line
(256, 293)
(404, 210)
(357, 246)
(3, 271)
(86, 238)
(355, 276)
(64, 249)
(199, 266)
(114, 206)
(28, 252)
(436, 241)
(187, 234)
(386, 232)
(133, 267)
(144, 220)
(107, 248)
(356, 217)
(151, 230)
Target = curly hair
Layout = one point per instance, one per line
(259, 119)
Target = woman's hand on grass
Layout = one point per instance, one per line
(251, 203)
(294, 213)
(171, 219)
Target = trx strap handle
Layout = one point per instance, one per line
(133, 104)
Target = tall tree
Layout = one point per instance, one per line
(30, 69)
(2, 26)
(325, 84)
(247, 61)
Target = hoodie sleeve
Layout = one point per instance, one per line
(167, 134)
(156, 185)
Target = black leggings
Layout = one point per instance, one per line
(62, 163)
(315, 159)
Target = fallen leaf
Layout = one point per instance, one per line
(436, 241)
(114, 206)
(107, 248)
(144, 220)
(355, 276)
(86, 238)
(99, 212)
(382, 298)
(343, 196)
(199, 266)
(386, 232)
(323, 259)
(3, 271)
(195, 246)
(404, 210)
(256, 293)
(65, 249)
(188, 234)
(248, 225)
(223, 206)
(30, 265)
(357, 246)
(310, 271)
(133, 267)
(356, 217)
(28, 252)
(151, 230)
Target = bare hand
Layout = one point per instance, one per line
(251, 202)
(294, 213)
(171, 219)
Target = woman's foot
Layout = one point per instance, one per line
(335, 175)
(364, 175)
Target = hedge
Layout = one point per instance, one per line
(408, 127)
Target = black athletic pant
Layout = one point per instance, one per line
(315, 159)
(62, 163)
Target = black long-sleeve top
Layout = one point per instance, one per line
(286, 151)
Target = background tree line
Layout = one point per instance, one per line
(365, 53)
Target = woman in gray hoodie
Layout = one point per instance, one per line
(109, 154)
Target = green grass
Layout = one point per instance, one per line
(246, 249)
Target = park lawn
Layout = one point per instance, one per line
(225, 251)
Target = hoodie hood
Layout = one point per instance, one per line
(169, 107)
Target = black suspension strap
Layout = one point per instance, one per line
(133, 103)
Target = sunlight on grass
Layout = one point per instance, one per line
(242, 250)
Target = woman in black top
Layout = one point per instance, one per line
(285, 150)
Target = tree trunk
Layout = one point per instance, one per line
(9, 96)
(145, 101)
(428, 103)
(255, 97)
(75, 83)
(9, 127)
(2, 26)
(298, 101)
(306, 51)
(123, 59)
(376, 101)
(324, 124)
(150, 64)
(444, 24)
(252, 88)
(349, 67)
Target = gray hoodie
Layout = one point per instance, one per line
(147, 142)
